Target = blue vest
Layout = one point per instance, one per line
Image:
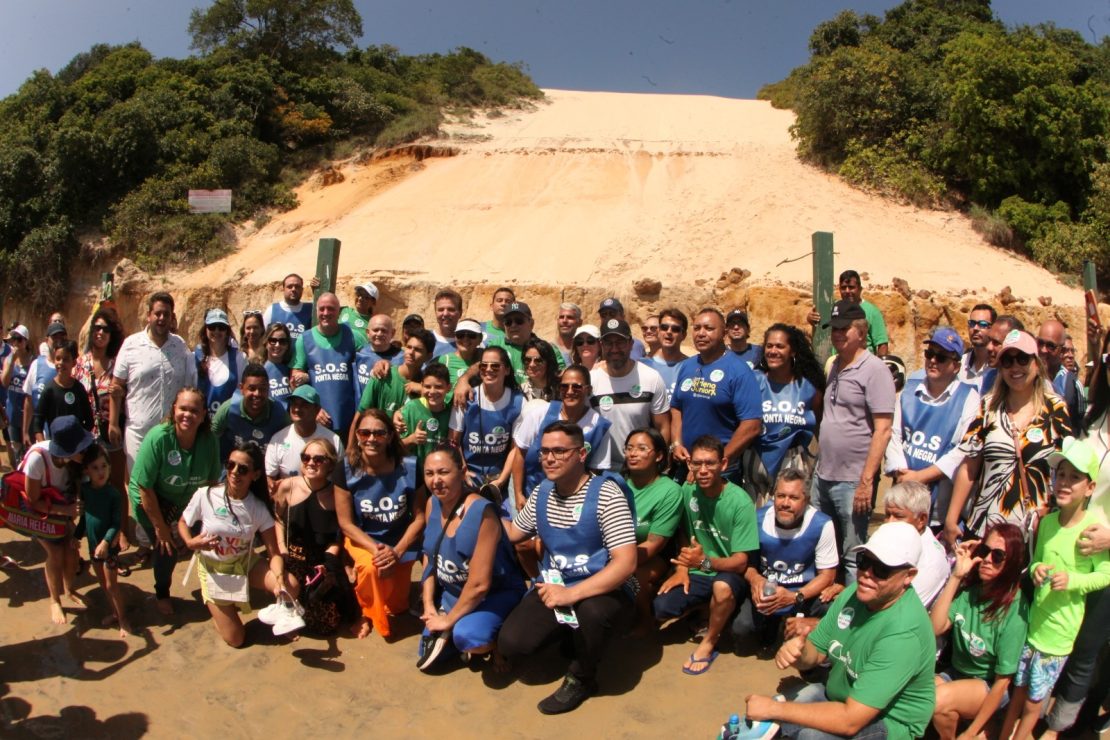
(329, 372)
(5, 350)
(214, 395)
(364, 362)
(788, 420)
(927, 430)
(239, 429)
(44, 373)
(383, 503)
(279, 383)
(452, 566)
(533, 471)
(578, 552)
(794, 560)
(297, 322)
(488, 434)
(13, 403)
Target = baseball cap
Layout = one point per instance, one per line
(369, 289)
(216, 316)
(589, 330)
(21, 330)
(56, 327)
(737, 314)
(517, 307)
(1078, 453)
(897, 368)
(895, 544)
(947, 339)
(1022, 341)
(611, 304)
(307, 394)
(619, 327)
(413, 318)
(843, 314)
(469, 325)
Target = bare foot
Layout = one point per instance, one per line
(361, 628)
(124, 628)
(57, 616)
(165, 607)
(77, 601)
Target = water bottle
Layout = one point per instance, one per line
(731, 729)
(770, 586)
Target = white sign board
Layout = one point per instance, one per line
(209, 201)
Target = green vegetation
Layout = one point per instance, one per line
(938, 104)
(114, 141)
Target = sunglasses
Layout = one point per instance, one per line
(1047, 344)
(584, 340)
(674, 328)
(979, 324)
(368, 433)
(651, 329)
(572, 386)
(516, 321)
(489, 365)
(878, 568)
(251, 312)
(277, 340)
(467, 335)
(313, 459)
(533, 360)
(239, 468)
(939, 356)
(218, 327)
(1008, 359)
(101, 327)
(996, 555)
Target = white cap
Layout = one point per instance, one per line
(21, 330)
(589, 329)
(894, 544)
(370, 288)
(469, 325)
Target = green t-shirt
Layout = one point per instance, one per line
(171, 471)
(456, 366)
(516, 356)
(658, 508)
(493, 335)
(723, 525)
(1055, 616)
(883, 659)
(357, 321)
(416, 411)
(876, 326)
(300, 362)
(387, 395)
(986, 649)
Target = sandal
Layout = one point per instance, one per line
(706, 663)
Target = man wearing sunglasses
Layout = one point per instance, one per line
(935, 409)
(977, 360)
(1050, 347)
(249, 415)
(672, 333)
(879, 641)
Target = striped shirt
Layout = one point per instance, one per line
(613, 515)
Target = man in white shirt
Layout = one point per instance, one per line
(909, 502)
(283, 453)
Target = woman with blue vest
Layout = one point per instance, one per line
(483, 428)
(382, 517)
(792, 384)
(278, 347)
(471, 580)
(219, 365)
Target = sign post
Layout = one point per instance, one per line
(822, 290)
(327, 268)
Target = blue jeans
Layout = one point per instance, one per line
(835, 499)
(812, 694)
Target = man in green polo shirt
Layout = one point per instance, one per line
(250, 414)
(879, 640)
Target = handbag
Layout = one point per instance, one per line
(16, 511)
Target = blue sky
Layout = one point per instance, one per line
(723, 47)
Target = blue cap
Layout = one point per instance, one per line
(947, 339)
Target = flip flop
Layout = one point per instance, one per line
(693, 670)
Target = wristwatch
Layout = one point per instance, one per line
(705, 566)
(799, 599)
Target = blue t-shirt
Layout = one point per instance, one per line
(716, 397)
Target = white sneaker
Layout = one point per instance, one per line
(273, 613)
(270, 614)
(289, 621)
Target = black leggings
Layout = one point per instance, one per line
(531, 625)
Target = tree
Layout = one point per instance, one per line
(290, 31)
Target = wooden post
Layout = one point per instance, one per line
(1090, 282)
(327, 270)
(822, 290)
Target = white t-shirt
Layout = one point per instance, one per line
(219, 370)
(283, 453)
(628, 402)
(529, 428)
(932, 569)
(38, 465)
(458, 416)
(827, 556)
(233, 521)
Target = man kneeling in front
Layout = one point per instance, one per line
(877, 637)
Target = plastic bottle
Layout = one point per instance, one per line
(731, 729)
(770, 586)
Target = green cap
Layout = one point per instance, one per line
(306, 393)
(1079, 454)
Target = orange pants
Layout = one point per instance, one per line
(378, 597)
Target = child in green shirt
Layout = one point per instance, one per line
(1063, 577)
(424, 420)
(101, 521)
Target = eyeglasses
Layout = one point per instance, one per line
(489, 365)
(979, 324)
(368, 433)
(703, 464)
(674, 328)
(996, 554)
(580, 341)
(251, 312)
(652, 329)
(516, 321)
(314, 459)
(1047, 344)
(638, 448)
(277, 340)
(101, 327)
(238, 468)
(558, 453)
(572, 387)
(1008, 359)
(939, 356)
(878, 568)
(534, 361)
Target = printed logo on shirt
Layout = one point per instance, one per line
(838, 653)
(432, 425)
(717, 375)
(976, 645)
(687, 384)
(1035, 435)
(577, 513)
(693, 505)
(70, 398)
(257, 434)
(606, 403)
(222, 512)
(844, 619)
(173, 457)
(636, 391)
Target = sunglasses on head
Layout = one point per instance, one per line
(236, 467)
(1008, 359)
(996, 555)
(879, 569)
(584, 340)
(978, 324)
(314, 459)
(251, 312)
